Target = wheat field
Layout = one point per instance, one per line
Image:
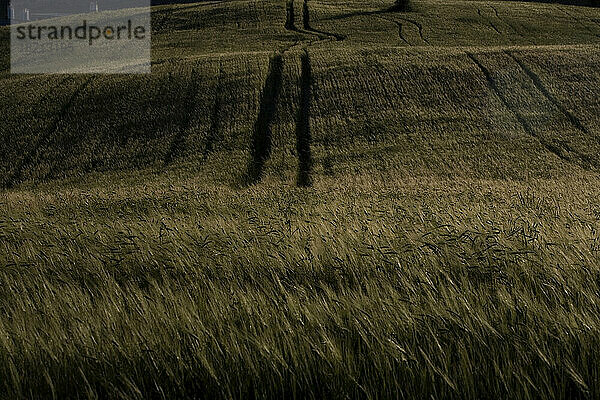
(365, 203)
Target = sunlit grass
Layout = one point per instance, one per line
(370, 288)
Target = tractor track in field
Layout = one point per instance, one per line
(540, 86)
(510, 25)
(588, 161)
(397, 24)
(400, 33)
(307, 29)
(306, 24)
(495, 11)
(554, 149)
(378, 14)
(419, 27)
(45, 139)
(490, 23)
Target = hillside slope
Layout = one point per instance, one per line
(475, 89)
(371, 205)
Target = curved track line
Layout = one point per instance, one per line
(550, 97)
(308, 28)
(488, 21)
(399, 25)
(580, 22)
(419, 27)
(510, 25)
(557, 151)
(46, 138)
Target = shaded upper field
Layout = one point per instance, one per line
(480, 89)
(228, 26)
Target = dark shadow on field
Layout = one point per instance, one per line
(303, 138)
(305, 15)
(290, 18)
(185, 117)
(262, 136)
(215, 119)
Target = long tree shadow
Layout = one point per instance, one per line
(214, 131)
(303, 137)
(185, 117)
(290, 18)
(262, 135)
